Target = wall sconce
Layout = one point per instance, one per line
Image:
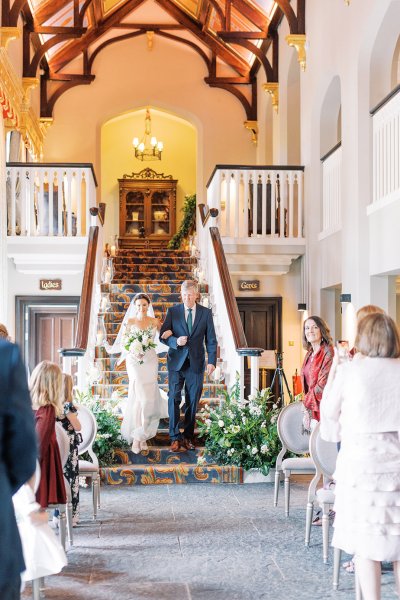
(345, 298)
(302, 306)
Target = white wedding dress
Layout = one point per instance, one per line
(146, 404)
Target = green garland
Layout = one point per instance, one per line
(188, 222)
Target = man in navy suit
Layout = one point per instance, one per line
(18, 453)
(192, 328)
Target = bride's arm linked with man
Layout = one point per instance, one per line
(192, 330)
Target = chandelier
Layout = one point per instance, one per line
(148, 148)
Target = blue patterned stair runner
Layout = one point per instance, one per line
(158, 273)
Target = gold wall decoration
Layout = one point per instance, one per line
(15, 103)
(347, 2)
(150, 39)
(298, 41)
(272, 88)
(252, 126)
(7, 34)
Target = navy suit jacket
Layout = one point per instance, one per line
(203, 334)
(18, 451)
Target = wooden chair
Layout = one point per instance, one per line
(324, 455)
(290, 432)
(87, 468)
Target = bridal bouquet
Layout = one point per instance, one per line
(137, 342)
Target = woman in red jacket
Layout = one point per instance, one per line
(316, 366)
(46, 391)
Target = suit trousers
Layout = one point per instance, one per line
(11, 590)
(193, 389)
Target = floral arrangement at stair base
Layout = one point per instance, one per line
(242, 433)
(108, 437)
(188, 223)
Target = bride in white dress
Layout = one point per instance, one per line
(147, 404)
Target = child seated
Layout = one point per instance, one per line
(46, 391)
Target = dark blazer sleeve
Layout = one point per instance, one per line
(171, 342)
(20, 448)
(211, 340)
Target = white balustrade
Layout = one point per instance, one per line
(49, 200)
(258, 202)
(331, 192)
(386, 151)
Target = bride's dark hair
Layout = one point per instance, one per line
(142, 296)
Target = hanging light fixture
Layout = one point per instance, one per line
(148, 148)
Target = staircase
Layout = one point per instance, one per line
(158, 273)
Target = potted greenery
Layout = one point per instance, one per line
(242, 432)
(108, 437)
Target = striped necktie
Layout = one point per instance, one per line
(190, 321)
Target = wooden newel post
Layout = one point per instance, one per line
(254, 354)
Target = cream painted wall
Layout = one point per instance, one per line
(171, 78)
(287, 287)
(117, 157)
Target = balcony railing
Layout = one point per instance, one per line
(386, 149)
(259, 203)
(331, 191)
(49, 199)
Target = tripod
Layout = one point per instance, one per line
(280, 373)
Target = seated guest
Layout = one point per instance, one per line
(70, 423)
(17, 462)
(46, 391)
(364, 398)
(316, 366)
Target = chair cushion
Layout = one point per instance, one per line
(86, 466)
(301, 463)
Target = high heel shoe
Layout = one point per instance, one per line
(143, 446)
(135, 447)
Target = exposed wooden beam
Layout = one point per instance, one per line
(46, 10)
(71, 51)
(233, 80)
(203, 12)
(219, 48)
(249, 107)
(252, 13)
(50, 30)
(246, 35)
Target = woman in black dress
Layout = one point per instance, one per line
(70, 423)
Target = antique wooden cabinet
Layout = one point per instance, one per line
(147, 205)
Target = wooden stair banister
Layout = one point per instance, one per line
(230, 300)
(238, 336)
(85, 305)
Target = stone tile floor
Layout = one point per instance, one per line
(197, 542)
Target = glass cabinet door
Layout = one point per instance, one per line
(160, 213)
(134, 213)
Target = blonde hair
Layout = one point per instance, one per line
(3, 332)
(67, 385)
(368, 309)
(378, 336)
(45, 384)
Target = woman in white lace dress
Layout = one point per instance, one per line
(146, 404)
(361, 408)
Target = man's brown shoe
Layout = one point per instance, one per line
(188, 444)
(175, 446)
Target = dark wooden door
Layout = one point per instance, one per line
(49, 331)
(262, 323)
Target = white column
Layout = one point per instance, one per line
(3, 226)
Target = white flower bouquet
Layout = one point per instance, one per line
(242, 432)
(137, 342)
